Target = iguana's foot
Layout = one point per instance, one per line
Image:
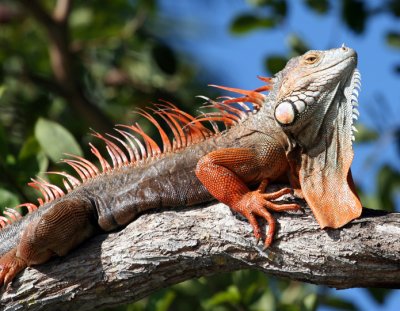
(55, 232)
(257, 203)
(10, 266)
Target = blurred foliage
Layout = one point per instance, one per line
(355, 22)
(240, 290)
(319, 6)
(354, 14)
(273, 16)
(118, 60)
(393, 39)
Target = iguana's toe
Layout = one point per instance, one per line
(257, 203)
(10, 266)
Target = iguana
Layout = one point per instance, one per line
(301, 132)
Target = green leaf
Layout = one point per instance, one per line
(231, 296)
(364, 134)
(55, 140)
(29, 149)
(8, 199)
(397, 69)
(248, 22)
(81, 17)
(31, 158)
(288, 307)
(379, 294)
(275, 63)
(278, 7)
(298, 45)
(388, 180)
(259, 3)
(319, 6)
(166, 301)
(165, 58)
(397, 139)
(2, 90)
(339, 304)
(149, 5)
(250, 285)
(310, 302)
(42, 161)
(354, 14)
(266, 302)
(394, 7)
(393, 39)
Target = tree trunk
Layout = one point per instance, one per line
(169, 246)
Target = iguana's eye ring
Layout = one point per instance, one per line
(285, 113)
(311, 59)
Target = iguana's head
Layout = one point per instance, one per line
(316, 99)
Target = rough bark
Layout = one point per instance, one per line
(166, 247)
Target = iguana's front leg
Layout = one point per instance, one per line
(56, 232)
(226, 172)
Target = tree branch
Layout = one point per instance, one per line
(166, 247)
(62, 10)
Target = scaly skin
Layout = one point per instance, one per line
(301, 133)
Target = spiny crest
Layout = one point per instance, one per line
(130, 145)
(356, 84)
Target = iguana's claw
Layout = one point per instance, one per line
(10, 266)
(256, 203)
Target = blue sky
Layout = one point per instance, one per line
(201, 28)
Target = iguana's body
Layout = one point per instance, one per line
(265, 147)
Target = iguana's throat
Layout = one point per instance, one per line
(325, 175)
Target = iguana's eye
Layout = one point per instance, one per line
(311, 59)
